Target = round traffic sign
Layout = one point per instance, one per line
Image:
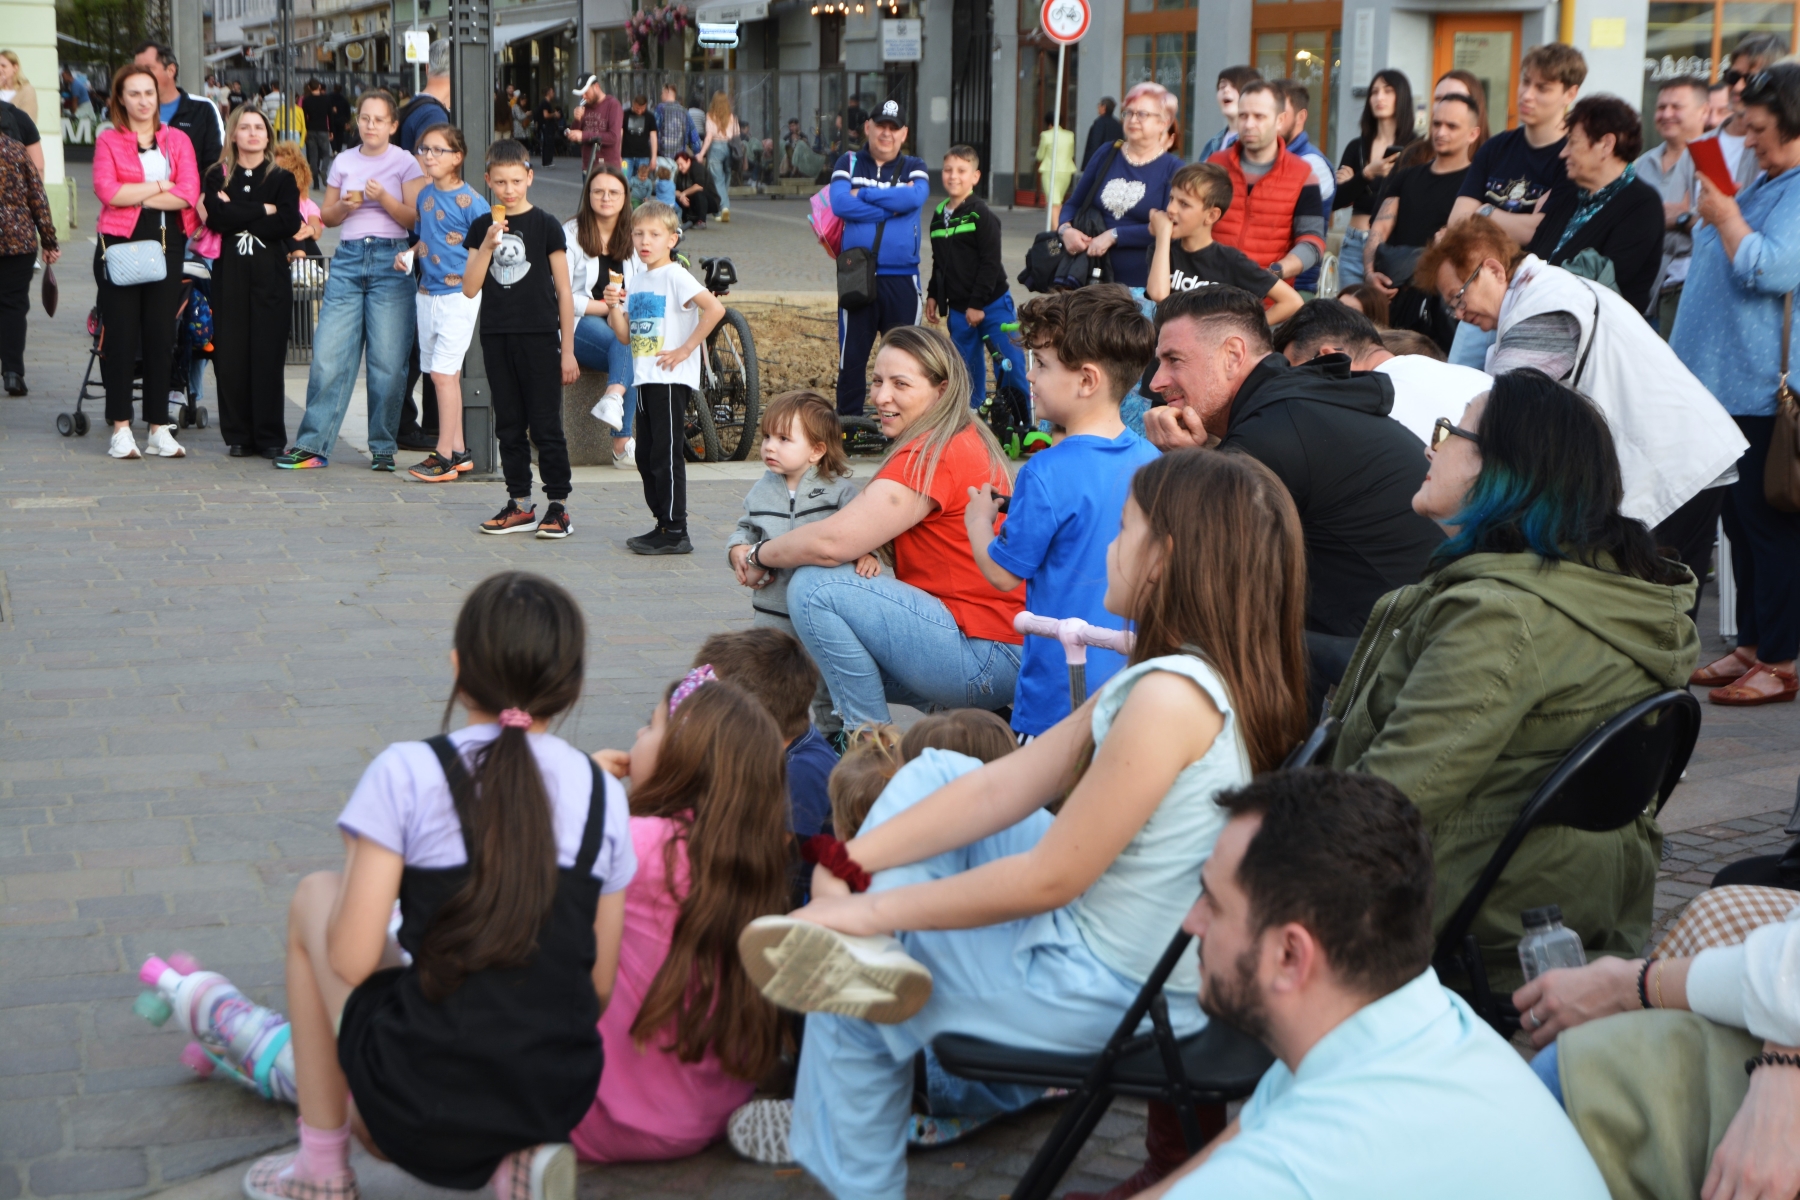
(1066, 21)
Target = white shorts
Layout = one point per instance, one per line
(446, 323)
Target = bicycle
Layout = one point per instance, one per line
(722, 415)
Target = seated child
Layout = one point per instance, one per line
(1088, 347)
(776, 670)
(643, 187)
(1186, 257)
(871, 756)
(975, 732)
(687, 1035)
(471, 1064)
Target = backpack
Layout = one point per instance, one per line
(826, 225)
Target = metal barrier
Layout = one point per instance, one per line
(308, 276)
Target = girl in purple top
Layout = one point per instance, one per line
(509, 852)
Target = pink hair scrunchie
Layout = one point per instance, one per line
(514, 718)
(690, 683)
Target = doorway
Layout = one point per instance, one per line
(1487, 46)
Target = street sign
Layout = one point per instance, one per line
(1066, 21)
(418, 46)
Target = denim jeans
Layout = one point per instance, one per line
(718, 159)
(597, 348)
(368, 307)
(967, 338)
(1350, 257)
(877, 640)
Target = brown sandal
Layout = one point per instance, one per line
(1740, 695)
(1713, 676)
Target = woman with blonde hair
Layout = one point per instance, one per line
(15, 89)
(933, 633)
(721, 130)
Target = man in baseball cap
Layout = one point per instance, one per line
(601, 121)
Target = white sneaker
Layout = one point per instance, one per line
(759, 1132)
(628, 460)
(123, 444)
(162, 443)
(611, 410)
(544, 1172)
(804, 967)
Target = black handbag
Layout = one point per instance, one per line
(856, 269)
(1049, 267)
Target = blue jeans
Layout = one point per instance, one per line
(1350, 257)
(968, 342)
(368, 307)
(1544, 1067)
(1471, 346)
(878, 639)
(718, 159)
(1031, 983)
(597, 348)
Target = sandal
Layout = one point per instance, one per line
(1741, 694)
(1726, 670)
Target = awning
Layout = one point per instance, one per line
(506, 35)
(222, 55)
(726, 12)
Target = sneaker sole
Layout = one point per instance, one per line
(447, 477)
(553, 1174)
(521, 527)
(553, 536)
(815, 970)
(761, 1136)
(310, 466)
(682, 548)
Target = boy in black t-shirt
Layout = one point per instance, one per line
(1186, 257)
(968, 277)
(519, 265)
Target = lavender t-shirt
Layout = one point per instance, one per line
(352, 169)
(403, 803)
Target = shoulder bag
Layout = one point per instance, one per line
(129, 264)
(1781, 470)
(1048, 264)
(856, 268)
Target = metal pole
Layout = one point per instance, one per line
(1062, 52)
(471, 36)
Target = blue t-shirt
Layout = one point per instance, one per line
(809, 763)
(1065, 510)
(443, 229)
(166, 112)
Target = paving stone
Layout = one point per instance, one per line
(89, 1171)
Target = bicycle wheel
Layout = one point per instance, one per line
(732, 384)
(863, 437)
(700, 438)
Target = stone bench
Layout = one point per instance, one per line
(590, 439)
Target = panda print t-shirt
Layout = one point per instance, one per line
(519, 293)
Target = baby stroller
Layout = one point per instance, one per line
(1007, 409)
(193, 340)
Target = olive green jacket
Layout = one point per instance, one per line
(1467, 689)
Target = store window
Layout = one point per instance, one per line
(1303, 40)
(1695, 38)
(1159, 46)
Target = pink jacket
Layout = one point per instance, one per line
(116, 163)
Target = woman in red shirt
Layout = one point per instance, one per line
(935, 634)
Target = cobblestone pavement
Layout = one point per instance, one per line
(198, 657)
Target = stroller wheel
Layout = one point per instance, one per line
(81, 424)
(184, 416)
(65, 424)
(200, 417)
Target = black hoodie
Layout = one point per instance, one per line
(1352, 471)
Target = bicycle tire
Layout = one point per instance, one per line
(700, 440)
(734, 386)
(863, 436)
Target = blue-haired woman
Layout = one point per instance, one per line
(1545, 612)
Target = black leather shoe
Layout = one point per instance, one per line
(241, 451)
(270, 452)
(15, 384)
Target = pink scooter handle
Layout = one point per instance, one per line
(1075, 634)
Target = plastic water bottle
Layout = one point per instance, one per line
(1547, 945)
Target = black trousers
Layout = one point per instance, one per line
(1765, 554)
(547, 136)
(525, 375)
(140, 323)
(15, 302)
(897, 302)
(253, 302)
(1689, 534)
(661, 423)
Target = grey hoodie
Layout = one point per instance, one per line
(770, 512)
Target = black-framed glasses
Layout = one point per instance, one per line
(1444, 429)
(1456, 301)
(1730, 78)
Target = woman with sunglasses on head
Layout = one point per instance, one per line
(1731, 330)
(1546, 612)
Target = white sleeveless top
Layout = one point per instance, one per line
(1129, 914)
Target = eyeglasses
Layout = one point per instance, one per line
(1445, 429)
(433, 151)
(1140, 114)
(1456, 302)
(1730, 78)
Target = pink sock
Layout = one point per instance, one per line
(324, 1153)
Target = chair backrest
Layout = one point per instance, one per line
(1623, 769)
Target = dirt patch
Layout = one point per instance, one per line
(796, 345)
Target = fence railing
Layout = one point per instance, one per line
(308, 276)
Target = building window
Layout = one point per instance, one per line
(1159, 46)
(1303, 40)
(612, 48)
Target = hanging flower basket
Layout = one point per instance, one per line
(658, 23)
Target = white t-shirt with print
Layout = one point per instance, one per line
(659, 305)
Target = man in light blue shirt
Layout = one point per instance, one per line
(1315, 922)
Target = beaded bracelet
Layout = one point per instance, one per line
(1643, 980)
(1767, 1059)
(826, 851)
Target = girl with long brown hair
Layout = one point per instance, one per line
(1037, 932)
(509, 852)
(685, 1032)
(601, 263)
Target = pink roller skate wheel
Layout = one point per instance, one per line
(184, 963)
(193, 1056)
(151, 971)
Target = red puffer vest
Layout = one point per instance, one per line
(1260, 221)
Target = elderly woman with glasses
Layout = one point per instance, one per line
(1546, 611)
(1123, 183)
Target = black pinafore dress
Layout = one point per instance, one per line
(510, 1059)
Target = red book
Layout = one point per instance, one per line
(1709, 160)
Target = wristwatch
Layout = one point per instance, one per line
(1486, 210)
(1684, 223)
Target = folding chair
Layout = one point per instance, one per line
(1210, 1067)
(1625, 767)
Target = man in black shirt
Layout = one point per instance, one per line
(195, 116)
(1103, 132)
(316, 108)
(637, 137)
(694, 196)
(549, 122)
